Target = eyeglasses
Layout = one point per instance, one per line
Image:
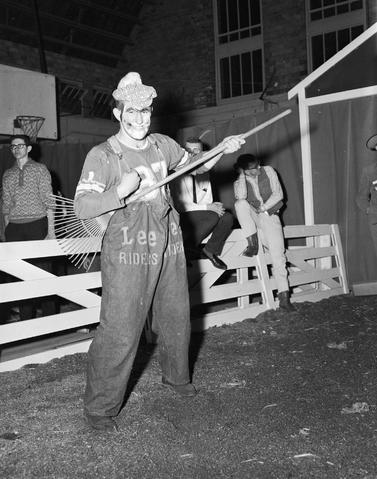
(17, 147)
(134, 111)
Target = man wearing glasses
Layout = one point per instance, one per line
(28, 208)
(143, 265)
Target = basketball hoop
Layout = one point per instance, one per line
(30, 125)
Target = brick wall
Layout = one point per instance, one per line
(174, 51)
(371, 12)
(22, 56)
(284, 35)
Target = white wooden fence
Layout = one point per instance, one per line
(218, 297)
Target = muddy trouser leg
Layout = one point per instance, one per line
(110, 359)
(130, 271)
(171, 315)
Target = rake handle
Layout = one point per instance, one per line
(206, 157)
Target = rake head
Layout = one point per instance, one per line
(80, 240)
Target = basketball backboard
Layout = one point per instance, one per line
(25, 92)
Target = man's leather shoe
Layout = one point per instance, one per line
(185, 390)
(101, 423)
(252, 246)
(215, 260)
(250, 251)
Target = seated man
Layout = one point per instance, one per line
(200, 215)
(258, 199)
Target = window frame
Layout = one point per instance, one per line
(237, 47)
(330, 25)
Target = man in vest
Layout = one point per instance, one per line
(258, 200)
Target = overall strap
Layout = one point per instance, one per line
(154, 142)
(115, 147)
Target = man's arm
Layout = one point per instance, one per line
(240, 187)
(94, 196)
(208, 165)
(51, 227)
(230, 144)
(45, 193)
(5, 200)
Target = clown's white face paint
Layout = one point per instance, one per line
(134, 125)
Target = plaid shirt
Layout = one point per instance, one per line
(26, 192)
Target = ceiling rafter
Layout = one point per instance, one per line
(70, 23)
(108, 11)
(63, 42)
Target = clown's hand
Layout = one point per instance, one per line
(128, 184)
(232, 143)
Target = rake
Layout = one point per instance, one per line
(81, 239)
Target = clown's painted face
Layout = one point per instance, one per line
(135, 122)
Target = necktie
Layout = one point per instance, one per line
(194, 198)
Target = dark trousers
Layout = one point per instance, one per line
(143, 268)
(32, 231)
(197, 225)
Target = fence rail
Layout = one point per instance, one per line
(316, 271)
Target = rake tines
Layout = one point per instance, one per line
(78, 238)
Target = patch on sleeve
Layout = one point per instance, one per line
(90, 184)
(184, 159)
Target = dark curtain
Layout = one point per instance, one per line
(339, 131)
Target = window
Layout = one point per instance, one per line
(74, 99)
(332, 24)
(239, 59)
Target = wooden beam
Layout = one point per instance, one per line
(342, 95)
(75, 46)
(115, 13)
(41, 49)
(69, 23)
(333, 60)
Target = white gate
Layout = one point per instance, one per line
(218, 297)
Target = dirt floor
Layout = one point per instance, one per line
(281, 396)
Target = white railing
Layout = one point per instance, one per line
(218, 297)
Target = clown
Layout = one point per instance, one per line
(142, 259)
